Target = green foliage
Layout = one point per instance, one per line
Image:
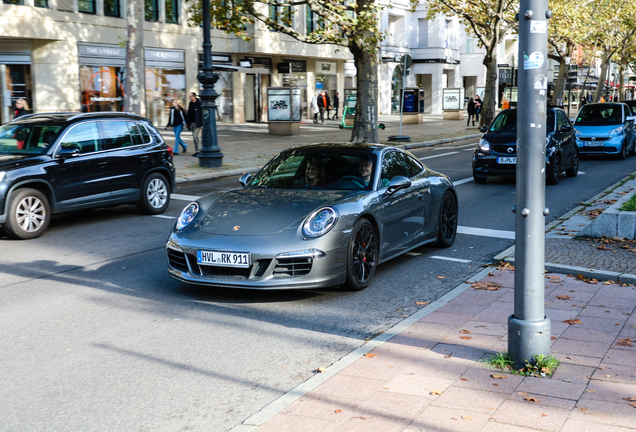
(541, 366)
(501, 361)
(629, 205)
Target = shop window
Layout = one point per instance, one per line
(151, 10)
(18, 86)
(172, 11)
(41, 3)
(86, 6)
(102, 88)
(15, 2)
(112, 8)
(162, 87)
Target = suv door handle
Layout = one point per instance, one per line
(102, 164)
(143, 158)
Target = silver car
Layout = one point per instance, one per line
(315, 216)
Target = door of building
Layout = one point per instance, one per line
(253, 101)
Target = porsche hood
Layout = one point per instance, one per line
(262, 211)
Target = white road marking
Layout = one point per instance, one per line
(439, 155)
(466, 180)
(450, 259)
(483, 232)
(456, 147)
(184, 197)
(413, 253)
(165, 217)
(581, 172)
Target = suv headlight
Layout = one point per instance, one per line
(484, 145)
(2, 173)
(320, 222)
(187, 216)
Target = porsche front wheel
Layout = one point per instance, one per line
(362, 256)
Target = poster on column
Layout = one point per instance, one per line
(279, 105)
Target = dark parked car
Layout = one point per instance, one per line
(605, 128)
(59, 162)
(315, 216)
(496, 153)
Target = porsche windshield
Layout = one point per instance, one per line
(600, 115)
(26, 138)
(341, 169)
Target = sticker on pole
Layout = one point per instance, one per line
(538, 26)
(533, 61)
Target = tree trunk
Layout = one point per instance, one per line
(134, 84)
(621, 82)
(600, 85)
(365, 126)
(489, 102)
(559, 88)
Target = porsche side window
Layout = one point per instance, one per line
(83, 137)
(414, 166)
(393, 164)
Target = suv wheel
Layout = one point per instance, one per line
(29, 215)
(553, 170)
(574, 169)
(155, 195)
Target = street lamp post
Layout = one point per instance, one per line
(529, 328)
(210, 155)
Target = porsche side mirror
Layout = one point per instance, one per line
(245, 179)
(483, 129)
(397, 183)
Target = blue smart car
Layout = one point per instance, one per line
(605, 128)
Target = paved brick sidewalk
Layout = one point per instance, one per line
(431, 375)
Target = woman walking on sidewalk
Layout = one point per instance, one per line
(472, 111)
(177, 121)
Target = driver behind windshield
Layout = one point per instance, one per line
(314, 175)
(365, 168)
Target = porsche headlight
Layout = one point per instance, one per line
(484, 145)
(187, 216)
(320, 222)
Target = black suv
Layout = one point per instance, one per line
(59, 162)
(496, 153)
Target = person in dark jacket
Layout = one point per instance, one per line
(336, 104)
(472, 111)
(478, 106)
(323, 104)
(177, 120)
(21, 108)
(195, 120)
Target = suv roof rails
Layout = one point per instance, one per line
(106, 113)
(43, 114)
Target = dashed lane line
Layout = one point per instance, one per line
(439, 155)
(459, 260)
(184, 197)
(483, 232)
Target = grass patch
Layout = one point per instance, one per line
(629, 205)
(541, 366)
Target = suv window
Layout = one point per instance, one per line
(154, 133)
(84, 137)
(393, 164)
(115, 134)
(139, 133)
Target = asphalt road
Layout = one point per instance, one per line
(97, 337)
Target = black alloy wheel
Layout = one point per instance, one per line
(447, 225)
(29, 214)
(574, 169)
(553, 170)
(362, 258)
(623, 154)
(155, 195)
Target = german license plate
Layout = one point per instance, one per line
(507, 160)
(593, 144)
(223, 259)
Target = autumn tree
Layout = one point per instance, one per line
(490, 21)
(350, 24)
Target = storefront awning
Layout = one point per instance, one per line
(224, 67)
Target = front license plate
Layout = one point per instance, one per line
(507, 160)
(223, 259)
(593, 144)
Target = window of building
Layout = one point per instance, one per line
(152, 10)
(102, 88)
(15, 2)
(273, 15)
(470, 46)
(309, 20)
(172, 11)
(86, 6)
(41, 3)
(446, 34)
(422, 32)
(112, 8)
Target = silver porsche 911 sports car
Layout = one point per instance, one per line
(315, 216)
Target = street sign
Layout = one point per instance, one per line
(407, 61)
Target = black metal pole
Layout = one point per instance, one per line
(528, 327)
(210, 155)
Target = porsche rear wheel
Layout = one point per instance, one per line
(362, 257)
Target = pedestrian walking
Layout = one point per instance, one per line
(177, 120)
(21, 108)
(323, 103)
(195, 120)
(478, 106)
(336, 105)
(314, 106)
(472, 111)
(505, 104)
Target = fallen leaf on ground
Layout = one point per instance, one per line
(466, 417)
(441, 277)
(544, 415)
(421, 303)
(320, 369)
(522, 393)
(338, 411)
(572, 321)
(633, 404)
(627, 340)
(464, 337)
(498, 376)
(488, 286)
(465, 331)
(448, 356)
(370, 355)
(630, 399)
(496, 385)
(583, 409)
(436, 393)
(463, 379)
(553, 338)
(590, 391)
(531, 399)
(608, 376)
(563, 297)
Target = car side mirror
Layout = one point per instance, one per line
(245, 179)
(572, 119)
(566, 128)
(630, 118)
(397, 183)
(483, 129)
(68, 152)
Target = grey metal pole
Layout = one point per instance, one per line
(403, 89)
(529, 328)
(210, 155)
